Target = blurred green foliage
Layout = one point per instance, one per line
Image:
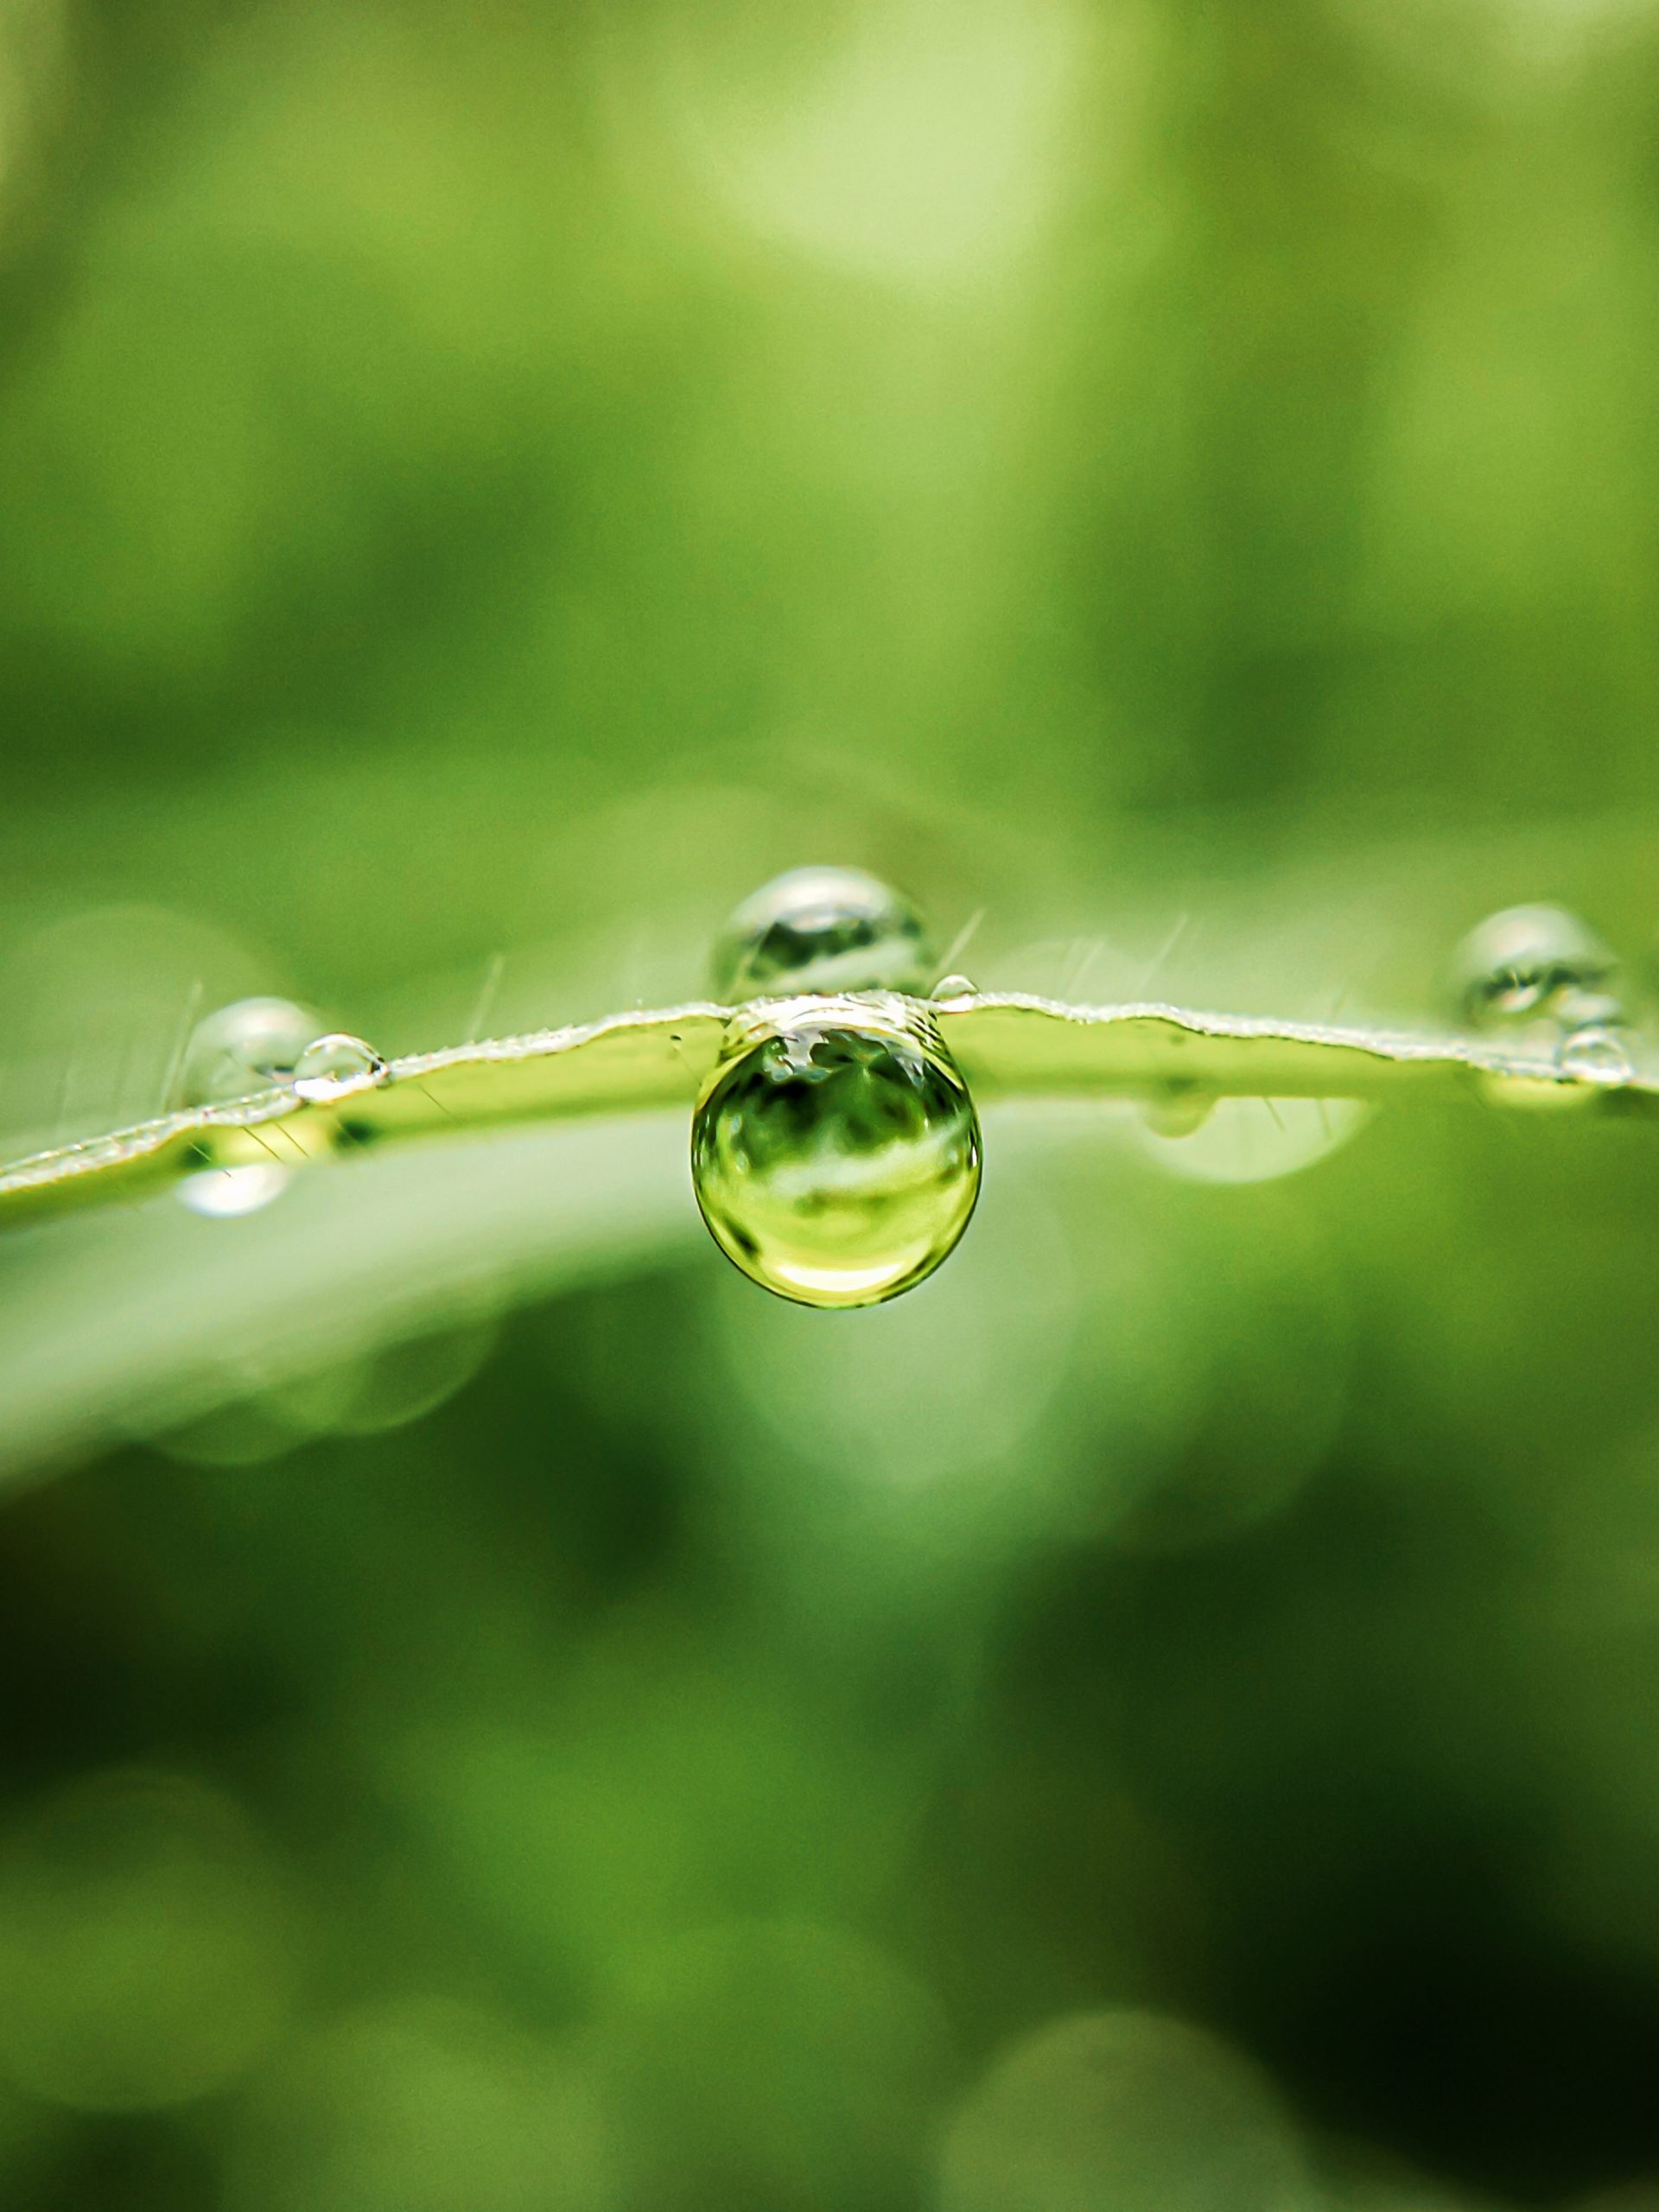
(503, 1717)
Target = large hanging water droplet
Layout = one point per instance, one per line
(835, 1153)
(244, 1048)
(1530, 966)
(332, 1066)
(822, 929)
(953, 986)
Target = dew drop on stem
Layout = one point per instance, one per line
(836, 1153)
(331, 1066)
(1539, 979)
(244, 1048)
(824, 930)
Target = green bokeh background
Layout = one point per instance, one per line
(500, 1717)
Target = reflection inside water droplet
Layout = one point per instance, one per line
(822, 929)
(226, 1193)
(332, 1066)
(835, 1155)
(953, 986)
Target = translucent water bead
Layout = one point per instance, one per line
(332, 1066)
(1534, 965)
(951, 987)
(234, 1053)
(1541, 979)
(836, 1153)
(245, 1048)
(822, 929)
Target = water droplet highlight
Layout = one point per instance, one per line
(953, 987)
(822, 929)
(332, 1066)
(836, 1153)
(244, 1048)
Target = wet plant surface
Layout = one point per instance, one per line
(1012, 641)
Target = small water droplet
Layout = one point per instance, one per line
(332, 1066)
(1176, 1108)
(227, 1193)
(1595, 1054)
(953, 987)
(822, 929)
(835, 1153)
(1530, 968)
(244, 1048)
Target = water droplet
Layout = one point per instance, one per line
(1176, 1108)
(244, 1048)
(1533, 969)
(1539, 981)
(1595, 1054)
(226, 1193)
(835, 1153)
(822, 929)
(953, 987)
(332, 1066)
(236, 1053)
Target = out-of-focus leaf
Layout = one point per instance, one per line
(138, 1318)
